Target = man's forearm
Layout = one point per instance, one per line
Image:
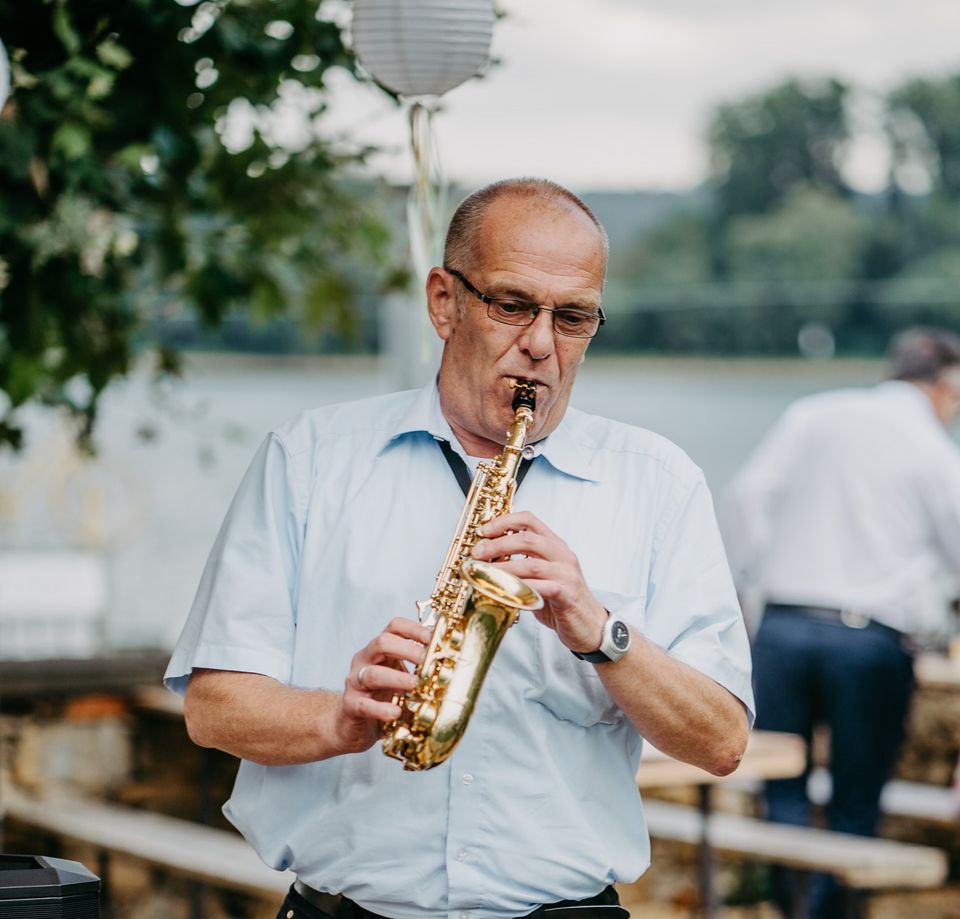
(257, 718)
(679, 710)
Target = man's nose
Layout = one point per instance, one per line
(537, 339)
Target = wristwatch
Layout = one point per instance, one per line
(613, 645)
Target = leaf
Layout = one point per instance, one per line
(329, 302)
(131, 156)
(22, 78)
(72, 140)
(39, 175)
(113, 54)
(63, 28)
(168, 362)
(267, 299)
(101, 85)
(11, 434)
(24, 371)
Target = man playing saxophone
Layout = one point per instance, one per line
(299, 641)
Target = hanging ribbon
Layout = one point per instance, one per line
(428, 193)
(426, 207)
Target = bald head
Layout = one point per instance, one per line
(465, 233)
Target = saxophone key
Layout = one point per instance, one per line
(425, 715)
(445, 673)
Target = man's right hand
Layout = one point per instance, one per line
(260, 719)
(378, 672)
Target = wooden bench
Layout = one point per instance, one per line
(211, 856)
(861, 864)
(931, 804)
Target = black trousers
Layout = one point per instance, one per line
(606, 905)
(859, 681)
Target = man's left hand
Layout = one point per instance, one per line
(526, 547)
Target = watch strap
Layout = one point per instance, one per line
(593, 657)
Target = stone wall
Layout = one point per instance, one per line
(933, 744)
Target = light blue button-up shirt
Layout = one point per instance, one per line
(340, 524)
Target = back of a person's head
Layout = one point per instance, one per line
(921, 354)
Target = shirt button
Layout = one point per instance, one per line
(462, 856)
(467, 778)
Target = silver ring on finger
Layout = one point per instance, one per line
(360, 677)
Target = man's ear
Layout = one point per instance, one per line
(442, 302)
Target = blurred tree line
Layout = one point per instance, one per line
(784, 250)
(149, 171)
(154, 196)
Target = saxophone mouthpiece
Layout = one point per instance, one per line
(525, 394)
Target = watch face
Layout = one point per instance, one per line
(620, 635)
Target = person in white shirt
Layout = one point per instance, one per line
(838, 520)
(299, 636)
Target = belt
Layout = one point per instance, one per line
(325, 902)
(848, 616)
(605, 900)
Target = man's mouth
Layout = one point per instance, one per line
(513, 380)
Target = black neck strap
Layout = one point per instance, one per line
(462, 474)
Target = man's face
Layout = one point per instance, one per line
(548, 253)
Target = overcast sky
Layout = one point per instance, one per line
(617, 93)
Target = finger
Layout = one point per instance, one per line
(409, 628)
(377, 678)
(544, 577)
(531, 571)
(390, 647)
(357, 705)
(518, 520)
(522, 542)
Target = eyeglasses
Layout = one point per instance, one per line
(566, 320)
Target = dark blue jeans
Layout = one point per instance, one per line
(859, 682)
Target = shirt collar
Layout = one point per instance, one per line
(562, 449)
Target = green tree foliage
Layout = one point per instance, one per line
(676, 252)
(925, 290)
(120, 200)
(924, 139)
(762, 147)
(783, 242)
(811, 236)
(925, 136)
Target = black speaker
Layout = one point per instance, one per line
(36, 887)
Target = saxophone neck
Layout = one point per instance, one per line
(516, 439)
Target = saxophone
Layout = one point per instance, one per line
(472, 605)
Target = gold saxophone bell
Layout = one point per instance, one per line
(473, 604)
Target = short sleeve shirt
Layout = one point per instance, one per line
(341, 523)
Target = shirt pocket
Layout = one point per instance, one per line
(570, 688)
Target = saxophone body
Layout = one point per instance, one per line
(472, 605)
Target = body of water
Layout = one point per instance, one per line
(171, 456)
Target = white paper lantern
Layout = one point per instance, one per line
(422, 47)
